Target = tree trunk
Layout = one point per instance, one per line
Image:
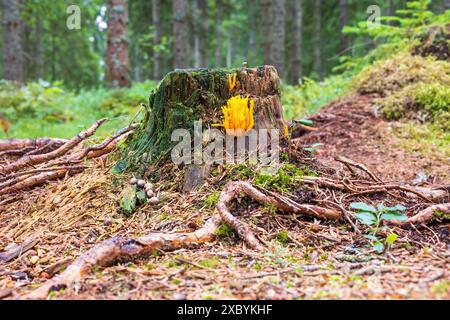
(318, 68)
(391, 8)
(196, 26)
(157, 71)
(252, 34)
(218, 54)
(12, 42)
(266, 16)
(39, 50)
(447, 4)
(185, 96)
(204, 33)
(117, 60)
(297, 53)
(278, 43)
(343, 21)
(180, 33)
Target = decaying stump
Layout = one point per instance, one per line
(185, 96)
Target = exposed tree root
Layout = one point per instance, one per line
(15, 144)
(425, 215)
(350, 163)
(36, 159)
(120, 248)
(113, 249)
(359, 189)
(52, 170)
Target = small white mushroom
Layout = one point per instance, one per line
(148, 186)
(141, 183)
(133, 181)
(153, 201)
(150, 194)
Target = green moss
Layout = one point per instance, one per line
(224, 231)
(389, 76)
(441, 288)
(441, 215)
(212, 199)
(209, 263)
(285, 179)
(283, 237)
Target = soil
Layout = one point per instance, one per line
(318, 260)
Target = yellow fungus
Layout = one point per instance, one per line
(232, 81)
(238, 115)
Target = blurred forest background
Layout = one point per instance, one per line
(134, 43)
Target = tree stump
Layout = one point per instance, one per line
(189, 95)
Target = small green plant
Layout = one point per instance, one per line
(212, 199)
(224, 231)
(373, 218)
(283, 237)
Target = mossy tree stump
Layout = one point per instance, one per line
(185, 96)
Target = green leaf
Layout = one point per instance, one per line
(304, 122)
(398, 207)
(366, 218)
(371, 237)
(378, 247)
(393, 216)
(390, 239)
(361, 206)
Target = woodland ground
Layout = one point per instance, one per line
(313, 260)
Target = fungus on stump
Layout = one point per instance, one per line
(189, 95)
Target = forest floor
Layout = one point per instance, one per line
(319, 260)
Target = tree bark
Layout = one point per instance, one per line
(12, 42)
(343, 21)
(266, 14)
(252, 33)
(196, 26)
(204, 33)
(218, 54)
(297, 53)
(180, 33)
(157, 71)
(318, 68)
(39, 50)
(117, 60)
(391, 8)
(278, 43)
(447, 4)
